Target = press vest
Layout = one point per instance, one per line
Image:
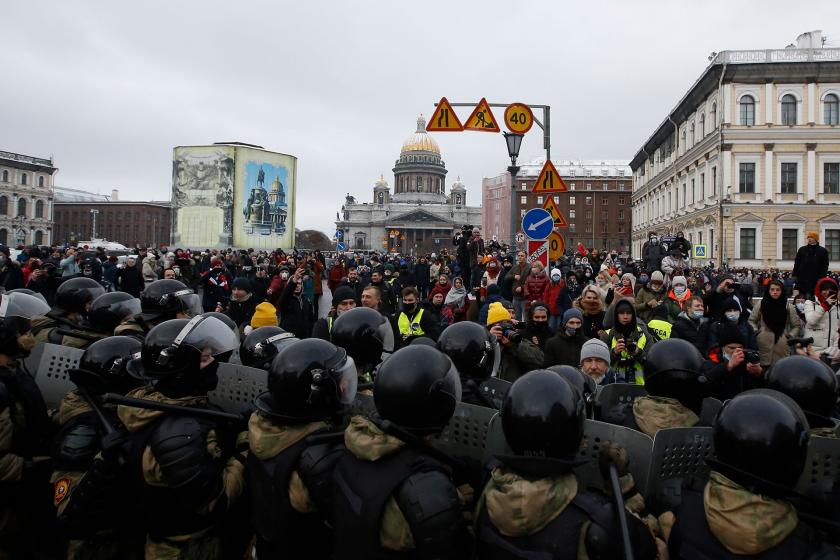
(662, 329)
(410, 328)
(638, 370)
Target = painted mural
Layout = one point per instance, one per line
(202, 196)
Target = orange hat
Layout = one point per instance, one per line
(265, 315)
(813, 234)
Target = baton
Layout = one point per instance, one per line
(115, 398)
(622, 514)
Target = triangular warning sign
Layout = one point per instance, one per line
(444, 118)
(559, 219)
(482, 118)
(549, 180)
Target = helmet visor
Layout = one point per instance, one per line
(208, 335)
(347, 380)
(126, 308)
(279, 341)
(386, 334)
(22, 305)
(190, 302)
(497, 357)
(451, 384)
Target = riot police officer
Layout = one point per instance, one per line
(24, 464)
(393, 499)
(72, 302)
(672, 380)
(812, 384)
(187, 474)
(262, 344)
(365, 334)
(110, 310)
(542, 419)
(476, 355)
(760, 441)
(162, 300)
(584, 385)
(289, 475)
(92, 524)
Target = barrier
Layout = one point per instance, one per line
(617, 393)
(822, 467)
(465, 436)
(679, 454)
(51, 372)
(637, 445)
(238, 386)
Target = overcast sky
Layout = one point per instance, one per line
(108, 88)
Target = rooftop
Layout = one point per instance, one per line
(67, 195)
(21, 158)
(579, 167)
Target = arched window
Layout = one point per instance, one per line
(4, 237)
(4, 206)
(702, 125)
(21, 209)
(23, 178)
(788, 109)
(457, 199)
(747, 106)
(360, 243)
(39, 238)
(381, 198)
(692, 134)
(5, 176)
(831, 109)
(39, 208)
(41, 181)
(714, 116)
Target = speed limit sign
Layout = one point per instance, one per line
(519, 118)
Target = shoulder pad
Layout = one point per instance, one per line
(76, 447)
(179, 443)
(315, 467)
(431, 506)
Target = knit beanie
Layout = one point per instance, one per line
(556, 272)
(813, 234)
(679, 280)
(572, 313)
(657, 276)
(341, 293)
(242, 283)
(730, 334)
(594, 348)
(265, 315)
(497, 313)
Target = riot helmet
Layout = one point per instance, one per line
(761, 441)
(110, 309)
(262, 344)
(74, 295)
(581, 382)
(28, 292)
(672, 369)
(164, 299)
(809, 382)
(102, 368)
(309, 380)
(417, 389)
(364, 333)
(474, 351)
(176, 352)
(16, 309)
(542, 416)
(224, 319)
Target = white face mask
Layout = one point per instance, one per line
(284, 275)
(800, 307)
(732, 316)
(679, 290)
(555, 277)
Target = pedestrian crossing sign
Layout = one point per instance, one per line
(700, 252)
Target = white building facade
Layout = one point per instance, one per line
(26, 199)
(749, 159)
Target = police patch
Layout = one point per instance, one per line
(62, 488)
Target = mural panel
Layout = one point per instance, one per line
(202, 196)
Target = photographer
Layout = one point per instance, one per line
(216, 285)
(519, 355)
(628, 343)
(727, 288)
(733, 315)
(732, 367)
(44, 279)
(461, 240)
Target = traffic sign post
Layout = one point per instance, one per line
(444, 118)
(339, 234)
(549, 180)
(556, 246)
(700, 252)
(538, 251)
(340, 246)
(520, 237)
(482, 119)
(559, 219)
(537, 223)
(519, 118)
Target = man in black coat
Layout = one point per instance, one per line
(129, 279)
(811, 264)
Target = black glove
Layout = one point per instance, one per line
(612, 453)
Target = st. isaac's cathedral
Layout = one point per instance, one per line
(419, 216)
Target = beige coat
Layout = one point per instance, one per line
(769, 349)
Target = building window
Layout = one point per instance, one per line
(39, 209)
(572, 214)
(693, 194)
(571, 227)
(831, 178)
(747, 243)
(621, 214)
(788, 109)
(572, 186)
(621, 227)
(621, 186)
(831, 109)
(622, 200)
(523, 200)
(714, 181)
(746, 179)
(522, 212)
(589, 186)
(41, 181)
(24, 178)
(606, 186)
(589, 201)
(4, 237)
(747, 106)
(588, 215)
(832, 243)
(524, 187)
(5, 176)
(588, 228)
(702, 125)
(702, 186)
(605, 227)
(457, 199)
(381, 198)
(605, 201)
(571, 201)
(539, 199)
(21, 207)
(790, 243)
(39, 237)
(713, 114)
(4, 206)
(788, 178)
(693, 137)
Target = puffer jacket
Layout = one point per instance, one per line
(822, 320)
(535, 286)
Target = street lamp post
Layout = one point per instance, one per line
(514, 142)
(93, 213)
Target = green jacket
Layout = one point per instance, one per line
(519, 360)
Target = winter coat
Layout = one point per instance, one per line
(519, 360)
(296, 313)
(562, 349)
(518, 286)
(670, 265)
(694, 331)
(769, 348)
(149, 269)
(535, 286)
(551, 295)
(421, 274)
(130, 280)
(822, 320)
(652, 257)
(643, 297)
(675, 305)
(810, 265)
(242, 311)
(746, 330)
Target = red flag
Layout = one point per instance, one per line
(581, 249)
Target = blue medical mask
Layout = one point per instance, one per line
(800, 307)
(679, 290)
(732, 316)
(696, 314)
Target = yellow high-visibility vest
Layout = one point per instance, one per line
(410, 328)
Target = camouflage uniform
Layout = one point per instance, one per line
(43, 327)
(649, 414)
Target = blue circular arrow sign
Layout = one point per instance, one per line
(537, 223)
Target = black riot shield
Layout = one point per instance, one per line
(495, 389)
(711, 406)
(637, 445)
(466, 434)
(238, 387)
(678, 458)
(51, 372)
(822, 468)
(615, 394)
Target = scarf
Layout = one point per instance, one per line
(774, 313)
(456, 296)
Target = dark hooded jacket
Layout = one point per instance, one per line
(810, 265)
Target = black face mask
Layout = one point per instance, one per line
(408, 308)
(539, 326)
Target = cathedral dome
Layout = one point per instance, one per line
(381, 183)
(420, 141)
(458, 185)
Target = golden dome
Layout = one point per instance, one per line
(420, 141)
(381, 182)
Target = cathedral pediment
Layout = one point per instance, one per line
(418, 216)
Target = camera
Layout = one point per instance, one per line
(751, 356)
(509, 332)
(631, 346)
